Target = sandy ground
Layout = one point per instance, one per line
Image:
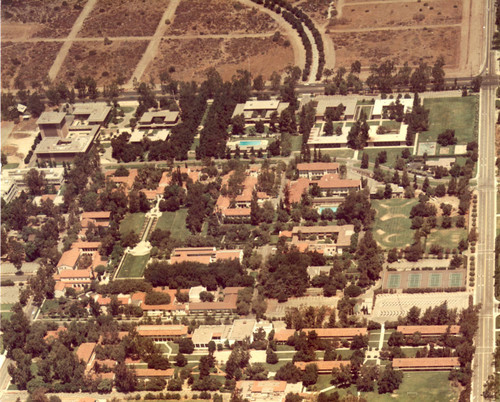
(425, 30)
(9, 294)
(17, 140)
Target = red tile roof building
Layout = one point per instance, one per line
(324, 367)
(160, 333)
(428, 330)
(323, 333)
(204, 255)
(329, 240)
(141, 373)
(426, 363)
(316, 170)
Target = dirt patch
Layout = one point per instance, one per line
(123, 18)
(9, 149)
(194, 57)
(43, 18)
(28, 63)
(408, 45)
(27, 125)
(497, 140)
(317, 10)
(355, 16)
(219, 17)
(105, 63)
(19, 136)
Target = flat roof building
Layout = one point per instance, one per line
(53, 124)
(92, 113)
(65, 149)
(332, 102)
(159, 119)
(255, 110)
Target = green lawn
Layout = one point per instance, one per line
(338, 153)
(175, 222)
(392, 222)
(127, 109)
(296, 142)
(10, 166)
(195, 144)
(5, 315)
(5, 306)
(133, 266)
(447, 238)
(49, 304)
(392, 125)
(132, 222)
(287, 348)
(417, 386)
(392, 155)
(458, 114)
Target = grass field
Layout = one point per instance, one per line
(10, 166)
(391, 124)
(133, 266)
(458, 114)
(195, 144)
(338, 153)
(296, 142)
(447, 238)
(132, 222)
(392, 222)
(424, 386)
(392, 155)
(175, 222)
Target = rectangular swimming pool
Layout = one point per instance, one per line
(250, 143)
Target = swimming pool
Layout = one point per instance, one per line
(252, 143)
(320, 209)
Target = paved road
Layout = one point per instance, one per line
(484, 290)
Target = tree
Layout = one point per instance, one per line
(271, 357)
(186, 346)
(275, 81)
(420, 78)
(389, 380)
(447, 138)
(35, 181)
(289, 373)
(16, 254)
(180, 360)
(238, 123)
(364, 161)
(342, 376)
(258, 83)
(392, 255)
(366, 380)
(438, 74)
(125, 378)
(310, 375)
